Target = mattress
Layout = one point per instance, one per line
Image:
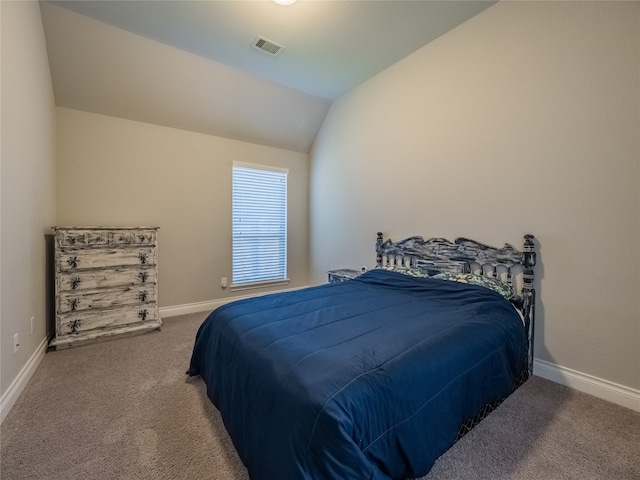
(366, 379)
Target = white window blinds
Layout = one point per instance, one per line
(259, 224)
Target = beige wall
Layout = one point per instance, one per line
(27, 189)
(120, 172)
(525, 119)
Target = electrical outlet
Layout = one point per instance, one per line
(223, 282)
(16, 343)
(32, 319)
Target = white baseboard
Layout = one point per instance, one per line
(211, 305)
(10, 397)
(604, 389)
(176, 310)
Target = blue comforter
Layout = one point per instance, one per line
(365, 379)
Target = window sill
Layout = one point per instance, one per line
(250, 286)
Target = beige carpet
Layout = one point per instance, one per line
(125, 409)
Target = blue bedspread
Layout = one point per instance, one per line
(365, 379)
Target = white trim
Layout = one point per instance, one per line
(257, 166)
(251, 285)
(211, 305)
(10, 397)
(604, 389)
(598, 387)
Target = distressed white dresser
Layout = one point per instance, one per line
(106, 283)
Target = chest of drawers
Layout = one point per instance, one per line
(105, 283)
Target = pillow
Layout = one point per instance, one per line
(411, 271)
(502, 288)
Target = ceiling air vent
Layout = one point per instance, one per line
(267, 46)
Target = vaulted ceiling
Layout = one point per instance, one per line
(191, 64)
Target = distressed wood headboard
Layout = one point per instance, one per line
(508, 264)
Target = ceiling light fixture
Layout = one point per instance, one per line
(285, 2)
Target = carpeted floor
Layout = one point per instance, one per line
(125, 409)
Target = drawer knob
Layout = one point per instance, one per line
(74, 325)
(74, 282)
(73, 303)
(73, 262)
(142, 256)
(142, 314)
(143, 276)
(73, 239)
(142, 295)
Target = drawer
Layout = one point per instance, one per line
(78, 301)
(144, 237)
(121, 237)
(69, 259)
(136, 237)
(73, 238)
(79, 322)
(106, 278)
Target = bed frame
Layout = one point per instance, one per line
(507, 264)
(462, 256)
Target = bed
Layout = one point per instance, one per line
(375, 377)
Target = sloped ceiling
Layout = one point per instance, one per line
(190, 64)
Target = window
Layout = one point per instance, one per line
(259, 225)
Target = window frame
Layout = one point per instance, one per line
(250, 284)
